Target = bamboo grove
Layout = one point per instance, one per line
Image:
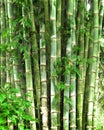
(52, 50)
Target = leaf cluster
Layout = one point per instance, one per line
(13, 108)
(69, 64)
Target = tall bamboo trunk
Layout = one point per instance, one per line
(3, 48)
(88, 35)
(81, 76)
(3, 45)
(35, 65)
(48, 57)
(43, 78)
(63, 55)
(72, 64)
(28, 71)
(10, 15)
(68, 54)
(92, 68)
(94, 65)
(53, 60)
(8, 81)
(42, 46)
(58, 40)
(97, 86)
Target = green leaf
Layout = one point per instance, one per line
(6, 112)
(61, 86)
(21, 127)
(26, 117)
(2, 97)
(3, 127)
(2, 120)
(14, 90)
(5, 32)
(67, 100)
(3, 47)
(6, 86)
(14, 119)
(75, 70)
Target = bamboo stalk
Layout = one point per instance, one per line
(35, 65)
(28, 72)
(95, 109)
(68, 53)
(92, 73)
(58, 40)
(48, 57)
(87, 54)
(43, 78)
(10, 75)
(10, 15)
(8, 78)
(72, 91)
(3, 50)
(15, 49)
(53, 60)
(63, 55)
(3, 40)
(81, 77)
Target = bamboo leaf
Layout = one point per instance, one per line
(2, 98)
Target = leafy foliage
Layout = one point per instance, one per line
(12, 107)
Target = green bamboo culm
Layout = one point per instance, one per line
(95, 56)
(48, 57)
(2, 42)
(81, 77)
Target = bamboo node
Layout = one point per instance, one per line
(89, 126)
(43, 96)
(42, 48)
(53, 111)
(65, 118)
(53, 36)
(54, 128)
(52, 18)
(42, 31)
(42, 64)
(43, 81)
(72, 126)
(72, 111)
(69, 14)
